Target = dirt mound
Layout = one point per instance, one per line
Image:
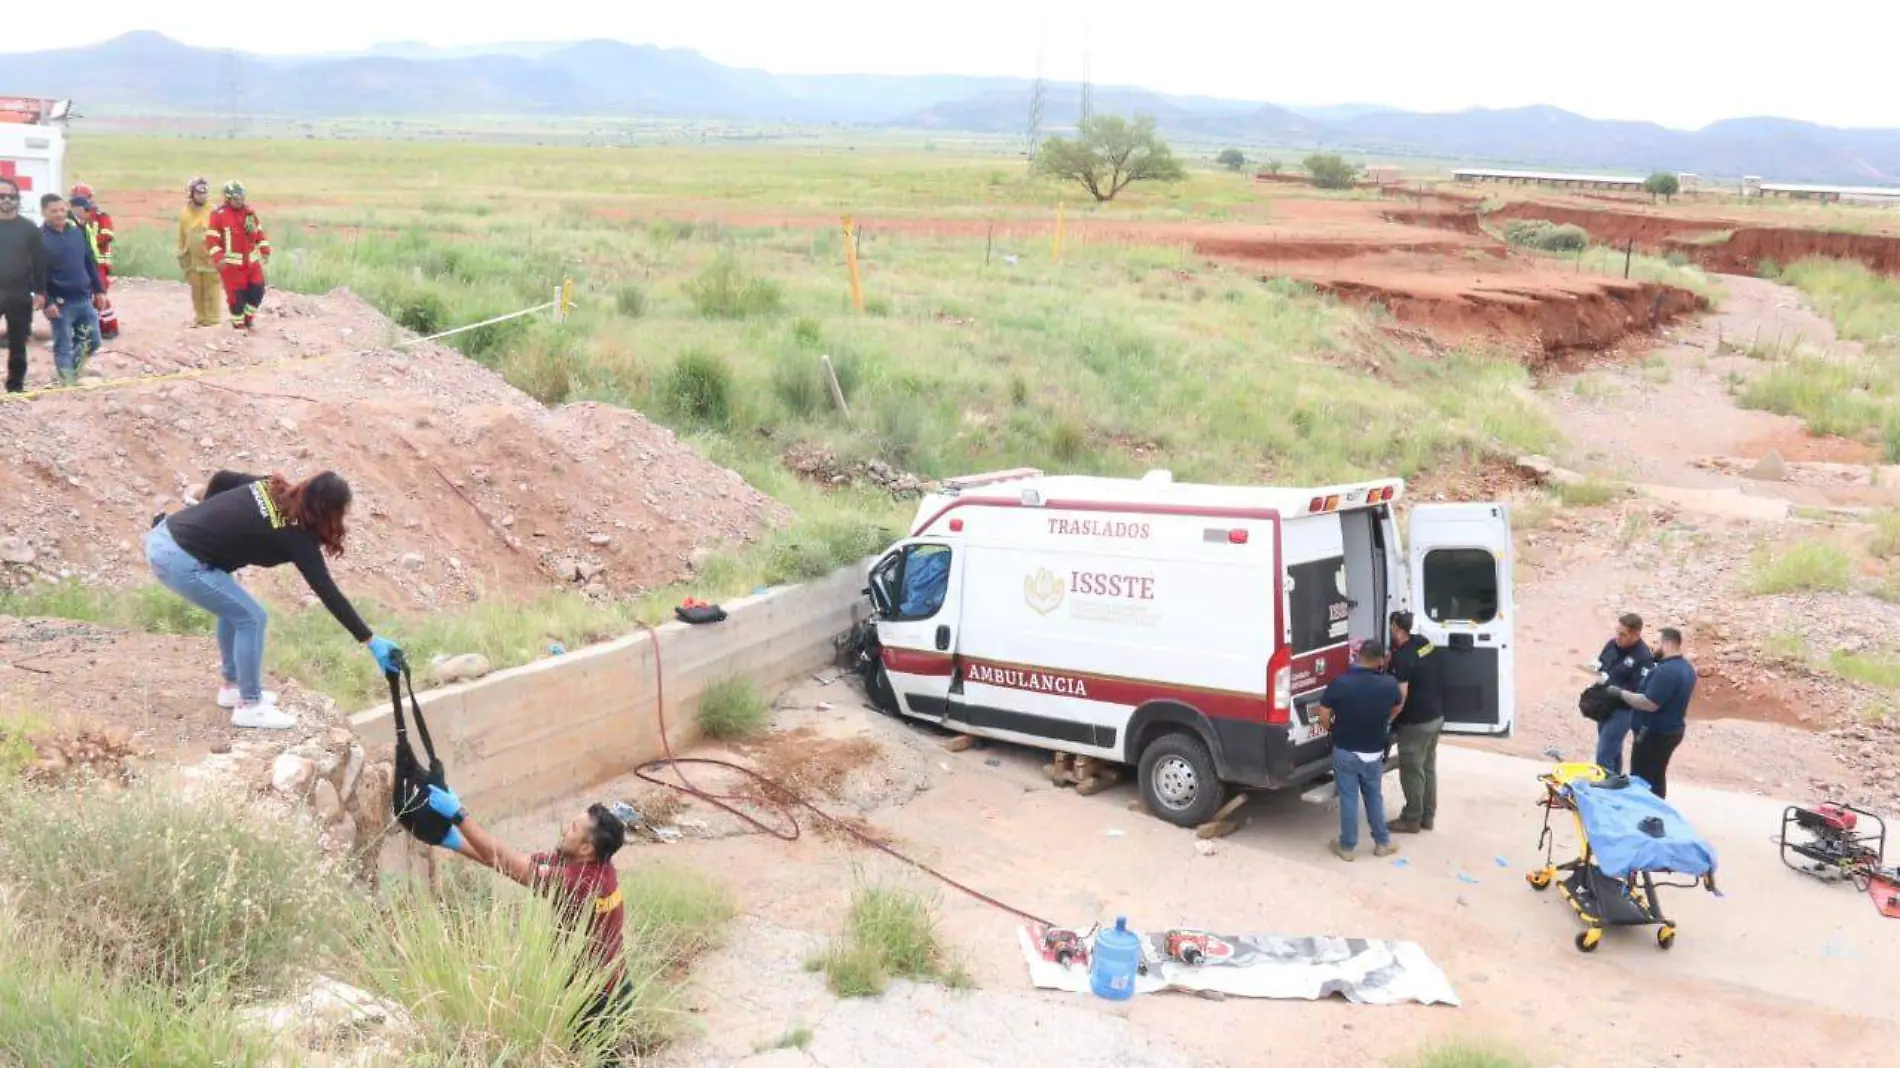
(1547, 312)
(1749, 246)
(463, 484)
(109, 696)
(1648, 230)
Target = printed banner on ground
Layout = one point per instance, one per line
(1364, 971)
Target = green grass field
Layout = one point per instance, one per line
(968, 355)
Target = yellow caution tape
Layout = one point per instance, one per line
(564, 302)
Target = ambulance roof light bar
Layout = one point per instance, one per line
(953, 486)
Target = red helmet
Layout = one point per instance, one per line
(81, 189)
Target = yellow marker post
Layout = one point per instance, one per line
(566, 300)
(1058, 243)
(851, 263)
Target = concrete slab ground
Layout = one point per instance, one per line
(1779, 971)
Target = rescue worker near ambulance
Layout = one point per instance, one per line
(1419, 724)
(1662, 712)
(98, 226)
(1357, 709)
(194, 258)
(235, 238)
(1624, 663)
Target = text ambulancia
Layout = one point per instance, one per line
(1187, 630)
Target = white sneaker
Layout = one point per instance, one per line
(230, 698)
(264, 715)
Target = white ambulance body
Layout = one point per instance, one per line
(33, 148)
(1187, 630)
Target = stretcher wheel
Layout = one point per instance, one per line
(1665, 936)
(1588, 940)
(1539, 879)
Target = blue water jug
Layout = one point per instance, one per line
(1117, 958)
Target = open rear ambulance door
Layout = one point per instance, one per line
(916, 592)
(1459, 558)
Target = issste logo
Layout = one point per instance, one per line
(1043, 591)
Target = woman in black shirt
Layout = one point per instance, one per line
(257, 521)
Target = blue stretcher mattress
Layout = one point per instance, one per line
(1613, 820)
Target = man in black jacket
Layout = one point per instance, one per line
(1418, 724)
(1624, 663)
(22, 280)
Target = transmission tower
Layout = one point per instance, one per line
(231, 111)
(1088, 86)
(1038, 97)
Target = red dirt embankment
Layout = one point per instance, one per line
(1613, 227)
(1463, 221)
(1546, 315)
(1744, 252)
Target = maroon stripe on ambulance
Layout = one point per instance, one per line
(918, 661)
(1107, 689)
(1312, 671)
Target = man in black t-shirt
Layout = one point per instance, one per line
(1418, 724)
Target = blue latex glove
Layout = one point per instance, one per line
(454, 841)
(385, 652)
(445, 803)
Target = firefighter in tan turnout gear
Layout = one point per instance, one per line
(194, 259)
(235, 238)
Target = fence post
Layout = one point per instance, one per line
(1629, 250)
(1058, 242)
(851, 264)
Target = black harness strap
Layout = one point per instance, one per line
(410, 798)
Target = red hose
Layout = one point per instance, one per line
(773, 788)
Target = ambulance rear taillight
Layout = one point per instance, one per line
(1331, 502)
(1280, 686)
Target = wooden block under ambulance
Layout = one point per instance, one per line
(1187, 630)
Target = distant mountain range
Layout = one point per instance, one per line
(151, 73)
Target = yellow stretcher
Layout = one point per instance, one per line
(1639, 835)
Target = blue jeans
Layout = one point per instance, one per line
(240, 618)
(1357, 777)
(1611, 734)
(76, 317)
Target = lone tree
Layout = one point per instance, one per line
(1330, 172)
(1661, 184)
(1108, 153)
(1232, 159)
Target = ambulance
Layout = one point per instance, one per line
(1185, 630)
(33, 148)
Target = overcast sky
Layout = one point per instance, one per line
(1682, 63)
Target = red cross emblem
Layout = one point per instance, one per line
(7, 171)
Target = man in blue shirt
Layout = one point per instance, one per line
(1662, 712)
(1624, 663)
(1357, 709)
(74, 289)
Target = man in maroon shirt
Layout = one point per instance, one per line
(577, 874)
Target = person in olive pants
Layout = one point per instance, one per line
(1418, 724)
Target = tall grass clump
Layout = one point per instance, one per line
(725, 289)
(60, 1006)
(1808, 567)
(1546, 236)
(1864, 304)
(153, 609)
(489, 975)
(733, 708)
(631, 301)
(890, 933)
(1831, 396)
(698, 389)
(176, 892)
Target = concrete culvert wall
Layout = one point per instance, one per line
(519, 737)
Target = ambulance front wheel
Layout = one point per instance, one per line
(882, 694)
(1179, 781)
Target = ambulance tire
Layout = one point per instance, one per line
(1179, 782)
(879, 689)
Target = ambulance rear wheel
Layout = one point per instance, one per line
(1179, 781)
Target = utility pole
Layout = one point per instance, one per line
(1088, 86)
